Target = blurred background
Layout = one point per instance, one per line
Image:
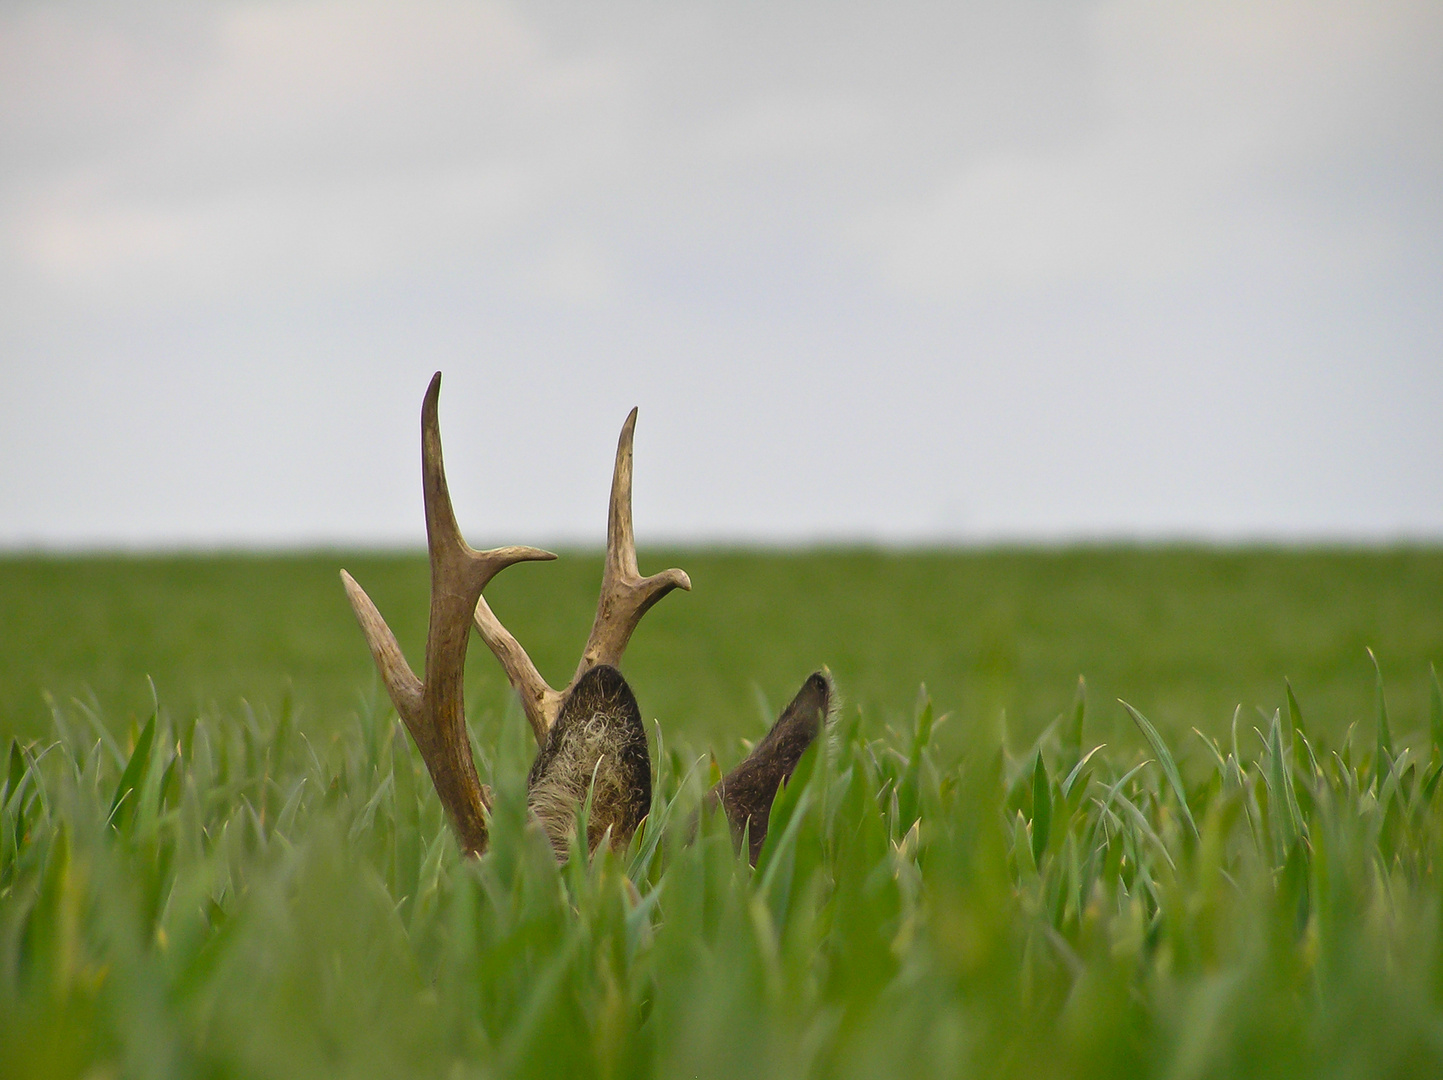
(911, 274)
(896, 288)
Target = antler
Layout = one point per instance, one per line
(434, 712)
(625, 597)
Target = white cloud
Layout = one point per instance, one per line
(144, 252)
(791, 126)
(971, 269)
(1195, 110)
(318, 143)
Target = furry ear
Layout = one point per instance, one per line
(746, 793)
(598, 743)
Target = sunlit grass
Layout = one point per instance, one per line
(229, 897)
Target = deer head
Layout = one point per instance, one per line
(590, 736)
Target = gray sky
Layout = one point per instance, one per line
(872, 272)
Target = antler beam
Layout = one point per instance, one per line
(434, 711)
(625, 597)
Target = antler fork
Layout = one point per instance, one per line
(434, 712)
(625, 597)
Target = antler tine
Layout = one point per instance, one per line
(625, 595)
(434, 712)
(540, 703)
(396, 675)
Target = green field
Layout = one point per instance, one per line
(1183, 634)
(255, 879)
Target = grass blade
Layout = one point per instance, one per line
(1164, 758)
(1383, 755)
(1077, 770)
(1283, 808)
(15, 773)
(134, 774)
(1041, 809)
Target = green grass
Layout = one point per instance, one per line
(1184, 634)
(216, 888)
(224, 898)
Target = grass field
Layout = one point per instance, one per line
(256, 881)
(1183, 634)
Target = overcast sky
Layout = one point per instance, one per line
(878, 272)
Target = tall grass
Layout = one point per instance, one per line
(203, 898)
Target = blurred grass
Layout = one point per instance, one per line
(1183, 633)
(227, 897)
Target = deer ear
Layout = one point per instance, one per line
(746, 793)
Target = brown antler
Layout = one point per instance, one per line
(434, 712)
(625, 597)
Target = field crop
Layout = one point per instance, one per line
(1184, 634)
(225, 890)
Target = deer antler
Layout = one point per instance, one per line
(625, 597)
(434, 712)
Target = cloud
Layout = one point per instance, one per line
(300, 144)
(978, 268)
(1206, 123)
(136, 252)
(789, 126)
